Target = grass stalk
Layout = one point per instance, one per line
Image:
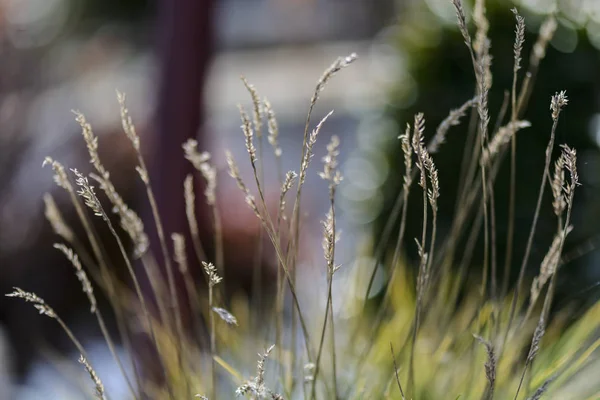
(558, 101)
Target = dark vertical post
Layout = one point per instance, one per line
(185, 43)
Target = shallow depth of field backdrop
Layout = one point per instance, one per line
(59, 55)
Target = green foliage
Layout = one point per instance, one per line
(434, 331)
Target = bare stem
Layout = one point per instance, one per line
(213, 345)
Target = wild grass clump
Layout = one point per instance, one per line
(450, 337)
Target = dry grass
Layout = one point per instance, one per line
(433, 338)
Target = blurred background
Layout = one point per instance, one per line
(179, 62)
